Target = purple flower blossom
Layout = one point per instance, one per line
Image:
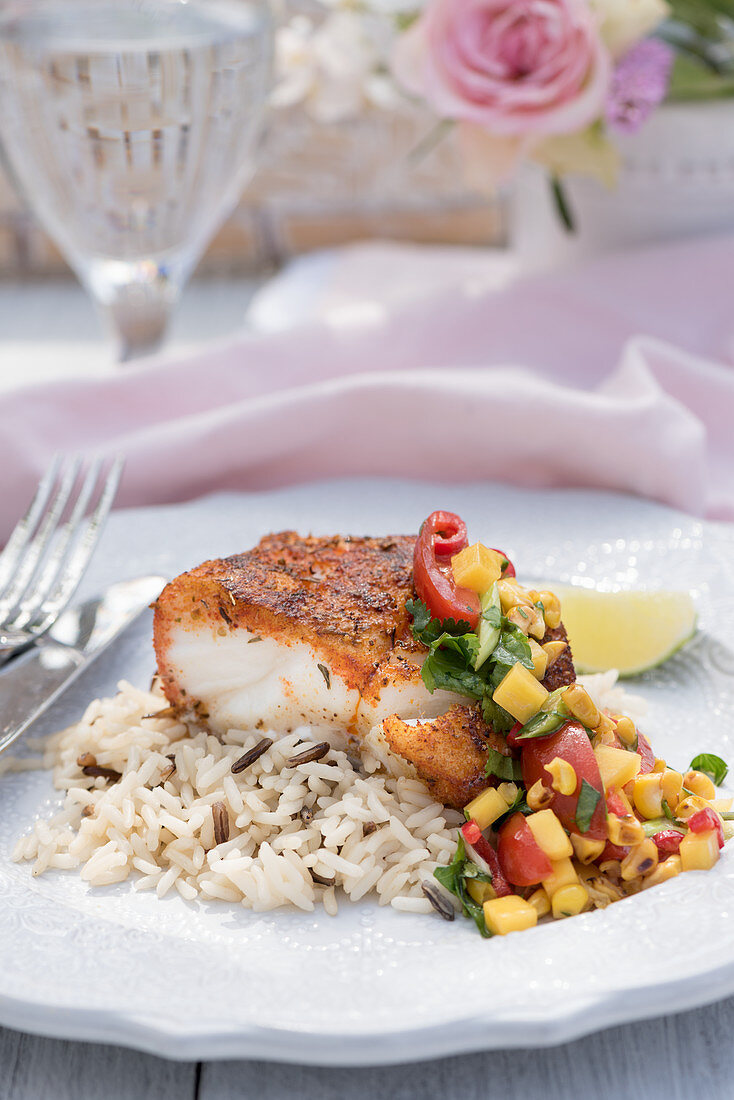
(639, 85)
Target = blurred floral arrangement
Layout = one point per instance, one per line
(551, 81)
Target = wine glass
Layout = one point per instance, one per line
(131, 126)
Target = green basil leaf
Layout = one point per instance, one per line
(504, 767)
(712, 766)
(587, 803)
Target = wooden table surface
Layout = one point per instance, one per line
(675, 1058)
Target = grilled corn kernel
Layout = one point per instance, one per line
(487, 807)
(699, 851)
(563, 874)
(550, 836)
(640, 861)
(690, 805)
(585, 849)
(509, 792)
(477, 567)
(527, 619)
(569, 901)
(616, 766)
(625, 831)
(540, 902)
(554, 650)
(539, 658)
(480, 891)
(648, 794)
(551, 608)
(520, 694)
(672, 784)
(581, 705)
(539, 796)
(669, 868)
(563, 776)
(659, 765)
(512, 595)
(509, 914)
(626, 731)
(699, 784)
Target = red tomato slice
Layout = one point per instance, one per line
(613, 851)
(572, 744)
(509, 570)
(522, 861)
(667, 841)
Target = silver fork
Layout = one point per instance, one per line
(47, 554)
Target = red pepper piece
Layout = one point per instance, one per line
(644, 751)
(479, 846)
(613, 851)
(705, 820)
(668, 841)
(441, 537)
(511, 738)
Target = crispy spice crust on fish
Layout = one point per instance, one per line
(449, 753)
(346, 596)
(561, 672)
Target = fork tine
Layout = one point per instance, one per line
(26, 571)
(56, 560)
(25, 527)
(78, 559)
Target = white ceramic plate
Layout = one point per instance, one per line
(372, 985)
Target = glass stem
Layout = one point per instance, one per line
(135, 299)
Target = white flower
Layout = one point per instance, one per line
(336, 68)
(624, 22)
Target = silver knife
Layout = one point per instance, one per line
(35, 679)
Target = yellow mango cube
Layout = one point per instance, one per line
(585, 849)
(648, 794)
(721, 805)
(509, 914)
(520, 694)
(477, 567)
(563, 874)
(569, 901)
(617, 766)
(549, 834)
(487, 807)
(699, 851)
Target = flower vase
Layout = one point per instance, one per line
(676, 179)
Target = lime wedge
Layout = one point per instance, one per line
(629, 631)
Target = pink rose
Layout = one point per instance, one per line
(520, 68)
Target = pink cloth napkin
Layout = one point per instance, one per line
(617, 374)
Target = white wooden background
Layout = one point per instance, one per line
(675, 1058)
(680, 1057)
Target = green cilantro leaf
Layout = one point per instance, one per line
(587, 803)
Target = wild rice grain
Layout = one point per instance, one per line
(316, 752)
(221, 823)
(95, 772)
(252, 755)
(441, 904)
